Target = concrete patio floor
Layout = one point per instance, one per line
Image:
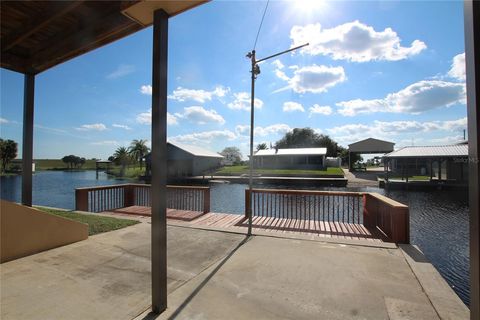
(222, 275)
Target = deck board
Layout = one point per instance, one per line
(329, 229)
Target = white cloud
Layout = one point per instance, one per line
(146, 89)
(242, 129)
(447, 140)
(199, 115)
(205, 136)
(318, 109)
(281, 75)
(457, 70)
(416, 98)
(183, 94)
(3, 120)
(121, 126)
(146, 118)
(49, 129)
(353, 41)
(92, 127)
(291, 106)
(121, 71)
(392, 128)
(314, 78)
(242, 102)
(274, 129)
(278, 64)
(401, 131)
(171, 119)
(106, 143)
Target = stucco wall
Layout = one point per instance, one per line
(25, 231)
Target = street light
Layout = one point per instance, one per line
(255, 72)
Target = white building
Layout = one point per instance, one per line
(298, 158)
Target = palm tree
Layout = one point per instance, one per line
(138, 150)
(121, 157)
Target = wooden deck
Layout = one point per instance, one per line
(171, 213)
(236, 222)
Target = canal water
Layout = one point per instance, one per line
(438, 219)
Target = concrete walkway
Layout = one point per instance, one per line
(362, 178)
(221, 275)
(106, 276)
(271, 278)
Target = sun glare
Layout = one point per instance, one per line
(309, 5)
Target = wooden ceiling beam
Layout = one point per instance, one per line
(35, 25)
(81, 41)
(16, 63)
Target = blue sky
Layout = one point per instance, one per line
(389, 70)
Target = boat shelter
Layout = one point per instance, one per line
(38, 35)
(294, 158)
(368, 146)
(445, 164)
(187, 160)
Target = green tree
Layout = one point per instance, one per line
(68, 160)
(122, 157)
(308, 138)
(73, 161)
(8, 152)
(354, 157)
(262, 146)
(232, 154)
(138, 150)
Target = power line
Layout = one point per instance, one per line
(260, 27)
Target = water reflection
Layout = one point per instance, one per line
(54, 188)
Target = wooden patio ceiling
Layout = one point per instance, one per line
(37, 35)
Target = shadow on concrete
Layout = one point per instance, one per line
(414, 253)
(152, 316)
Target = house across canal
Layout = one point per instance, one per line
(295, 158)
(433, 165)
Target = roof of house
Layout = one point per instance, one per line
(371, 145)
(371, 140)
(196, 151)
(456, 150)
(293, 151)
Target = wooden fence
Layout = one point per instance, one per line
(106, 198)
(372, 210)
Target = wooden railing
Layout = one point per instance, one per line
(390, 217)
(372, 210)
(346, 207)
(106, 198)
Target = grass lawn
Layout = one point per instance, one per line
(58, 164)
(96, 223)
(131, 171)
(238, 170)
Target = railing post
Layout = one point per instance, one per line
(248, 207)
(128, 195)
(81, 200)
(206, 200)
(400, 225)
(370, 210)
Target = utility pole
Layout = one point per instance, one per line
(255, 70)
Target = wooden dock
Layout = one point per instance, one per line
(239, 223)
(333, 214)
